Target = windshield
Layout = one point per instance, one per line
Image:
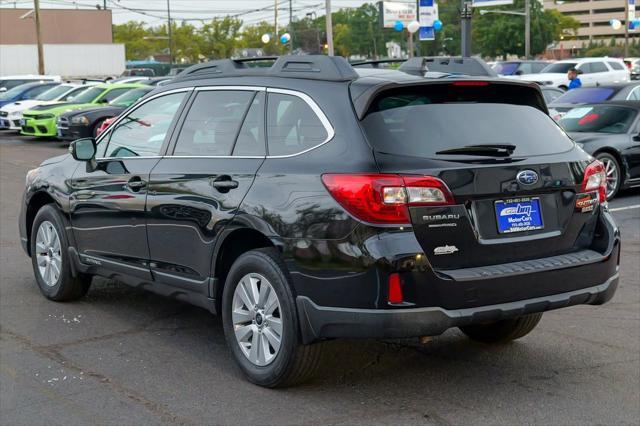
(423, 130)
(128, 98)
(586, 95)
(559, 68)
(598, 119)
(53, 93)
(12, 93)
(88, 95)
(506, 68)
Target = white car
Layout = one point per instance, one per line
(11, 114)
(11, 81)
(593, 72)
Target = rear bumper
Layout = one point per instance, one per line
(320, 322)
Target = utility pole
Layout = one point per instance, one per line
(275, 23)
(329, 27)
(626, 27)
(104, 4)
(527, 28)
(36, 6)
(465, 27)
(291, 26)
(169, 32)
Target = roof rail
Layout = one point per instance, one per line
(377, 62)
(473, 66)
(313, 67)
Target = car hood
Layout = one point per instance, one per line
(55, 159)
(21, 105)
(91, 109)
(58, 108)
(586, 137)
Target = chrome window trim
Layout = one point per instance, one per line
(132, 108)
(306, 98)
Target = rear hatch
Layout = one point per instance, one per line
(514, 175)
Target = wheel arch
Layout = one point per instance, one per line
(619, 158)
(233, 244)
(36, 202)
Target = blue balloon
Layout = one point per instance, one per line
(398, 26)
(635, 23)
(437, 25)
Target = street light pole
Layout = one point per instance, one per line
(329, 27)
(36, 7)
(465, 27)
(626, 27)
(169, 32)
(527, 29)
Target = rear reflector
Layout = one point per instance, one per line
(595, 179)
(394, 294)
(386, 198)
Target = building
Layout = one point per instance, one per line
(76, 42)
(594, 17)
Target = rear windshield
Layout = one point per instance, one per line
(424, 123)
(598, 119)
(560, 68)
(587, 95)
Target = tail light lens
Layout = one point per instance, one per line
(595, 179)
(386, 198)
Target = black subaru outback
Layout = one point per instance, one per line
(308, 200)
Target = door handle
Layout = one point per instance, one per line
(136, 184)
(224, 183)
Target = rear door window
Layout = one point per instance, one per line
(422, 121)
(250, 141)
(616, 66)
(213, 122)
(599, 67)
(292, 125)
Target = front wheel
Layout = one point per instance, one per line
(50, 258)
(261, 322)
(502, 331)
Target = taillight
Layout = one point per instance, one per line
(595, 179)
(386, 198)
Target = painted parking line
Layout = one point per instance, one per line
(617, 209)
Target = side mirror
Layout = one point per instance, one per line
(103, 101)
(636, 137)
(83, 149)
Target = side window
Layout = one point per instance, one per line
(585, 68)
(598, 67)
(634, 95)
(250, 140)
(538, 67)
(213, 122)
(112, 94)
(615, 65)
(292, 126)
(143, 131)
(36, 91)
(525, 68)
(72, 93)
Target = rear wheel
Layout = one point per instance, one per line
(613, 171)
(261, 322)
(50, 259)
(502, 331)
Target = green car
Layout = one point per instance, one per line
(41, 120)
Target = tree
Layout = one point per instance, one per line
(497, 35)
(219, 38)
(132, 34)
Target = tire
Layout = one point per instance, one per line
(502, 331)
(291, 363)
(614, 173)
(58, 283)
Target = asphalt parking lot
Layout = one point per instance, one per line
(123, 356)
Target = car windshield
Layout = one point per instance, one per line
(598, 119)
(506, 68)
(586, 95)
(53, 93)
(12, 93)
(559, 68)
(88, 95)
(435, 119)
(128, 98)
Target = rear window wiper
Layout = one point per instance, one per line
(489, 150)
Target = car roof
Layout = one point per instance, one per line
(581, 60)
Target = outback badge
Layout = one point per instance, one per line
(446, 249)
(527, 177)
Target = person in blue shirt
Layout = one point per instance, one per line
(574, 81)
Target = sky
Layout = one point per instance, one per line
(154, 12)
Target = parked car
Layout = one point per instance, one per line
(157, 81)
(304, 202)
(11, 114)
(85, 122)
(138, 72)
(24, 92)
(41, 120)
(592, 95)
(611, 133)
(634, 67)
(509, 68)
(123, 80)
(593, 72)
(11, 81)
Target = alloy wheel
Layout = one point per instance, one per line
(48, 253)
(257, 319)
(613, 175)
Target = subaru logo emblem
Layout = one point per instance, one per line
(527, 177)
